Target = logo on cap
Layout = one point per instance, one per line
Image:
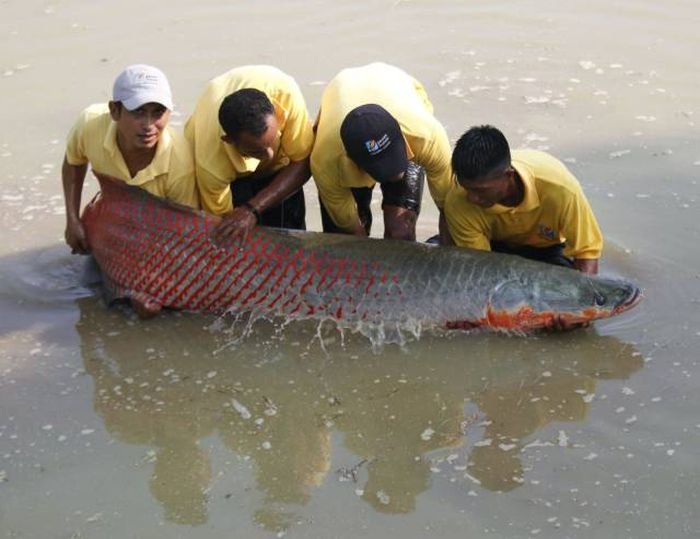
(139, 84)
(376, 146)
(146, 79)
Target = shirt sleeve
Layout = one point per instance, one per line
(75, 146)
(214, 193)
(436, 158)
(338, 201)
(467, 227)
(584, 239)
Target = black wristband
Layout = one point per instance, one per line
(252, 210)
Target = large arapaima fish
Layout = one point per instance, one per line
(157, 251)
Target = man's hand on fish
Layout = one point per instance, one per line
(560, 324)
(235, 227)
(76, 238)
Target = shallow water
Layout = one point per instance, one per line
(189, 426)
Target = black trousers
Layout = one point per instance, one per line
(291, 213)
(551, 255)
(406, 193)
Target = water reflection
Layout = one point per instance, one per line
(465, 407)
(160, 384)
(557, 388)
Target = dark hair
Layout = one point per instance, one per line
(480, 151)
(245, 110)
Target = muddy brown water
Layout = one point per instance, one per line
(191, 426)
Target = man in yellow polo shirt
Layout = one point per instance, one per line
(376, 125)
(527, 204)
(252, 137)
(128, 139)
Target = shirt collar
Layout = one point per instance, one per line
(157, 167)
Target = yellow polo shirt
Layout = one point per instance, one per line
(170, 174)
(554, 210)
(217, 163)
(406, 100)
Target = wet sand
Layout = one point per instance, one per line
(187, 426)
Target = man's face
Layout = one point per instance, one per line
(485, 191)
(262, 147)
(140, 128)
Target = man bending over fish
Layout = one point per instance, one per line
(376, 125)
(527, 203)
(128, 139)
(252, 137)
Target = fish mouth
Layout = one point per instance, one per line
(634, 297)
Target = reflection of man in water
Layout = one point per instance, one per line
(141, 405)
(537, 397)
(181, 476)
(527, 204)
(396, 427)
(154, 387)
(514, 414)
(393, 425)
(282, 430)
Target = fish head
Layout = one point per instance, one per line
(557, 295)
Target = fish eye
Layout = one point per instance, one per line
(599, 299)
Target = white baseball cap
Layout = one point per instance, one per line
(139, 84)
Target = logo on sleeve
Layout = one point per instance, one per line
(547, 233)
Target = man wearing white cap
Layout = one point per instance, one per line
(128, 139)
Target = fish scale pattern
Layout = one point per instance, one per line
(153, 249)
(162, 251)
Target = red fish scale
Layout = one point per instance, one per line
(154, 249)
(168, 256)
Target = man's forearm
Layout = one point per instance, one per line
(287, 182)
(586, 265)
(444, 230)
(73, 177)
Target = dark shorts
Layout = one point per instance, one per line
(406, 193)
(289, 214)
(551, 255)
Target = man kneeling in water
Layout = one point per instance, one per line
(128, 139)
(528, 204)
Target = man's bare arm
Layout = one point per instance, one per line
(444, 230)
(236, 225)
(73, 177)
(586, 265)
